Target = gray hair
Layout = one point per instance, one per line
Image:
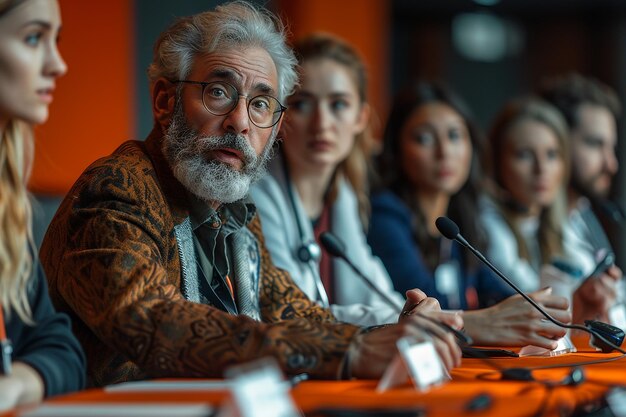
(230, 25)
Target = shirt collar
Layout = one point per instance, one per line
(238, 213)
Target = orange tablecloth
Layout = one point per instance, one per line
(474, 377)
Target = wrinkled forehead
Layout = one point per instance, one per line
(250, 69)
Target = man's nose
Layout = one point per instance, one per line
(237, 121)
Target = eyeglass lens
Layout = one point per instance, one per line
(221, 98)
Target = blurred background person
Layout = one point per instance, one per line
(46, 358)
(428, 168)
(318, 182)
(591, 110)
(528, 162)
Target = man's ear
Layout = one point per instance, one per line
(163, 100)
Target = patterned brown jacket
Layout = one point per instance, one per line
(113, 264)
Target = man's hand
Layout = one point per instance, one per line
(418, 302)
(373, 351)
(514, 322)
(596, 295)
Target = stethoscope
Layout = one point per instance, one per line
(309, 252)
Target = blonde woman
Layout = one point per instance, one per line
(40, 355)
(528, 160)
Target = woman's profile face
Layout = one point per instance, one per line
(325, 114)
(30, 62)
(532, 166)
(435, 149)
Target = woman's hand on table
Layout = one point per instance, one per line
(418, 302)
(515, 322)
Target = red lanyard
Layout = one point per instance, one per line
(6, 349)
(3, 332)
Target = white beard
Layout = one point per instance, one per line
(212, 181)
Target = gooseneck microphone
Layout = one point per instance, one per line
(336, 248)
(607, 337)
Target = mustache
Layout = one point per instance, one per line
(206, 144)
(186, 143)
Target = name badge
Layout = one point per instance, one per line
(447, 280)
(417, 361)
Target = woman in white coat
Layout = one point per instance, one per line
(318, 182)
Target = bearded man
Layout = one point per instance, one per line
(157, 253)
(592, 110)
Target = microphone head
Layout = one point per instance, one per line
(447, 228)
(332, 244)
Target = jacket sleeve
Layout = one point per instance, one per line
(114, 275)
(49, 346)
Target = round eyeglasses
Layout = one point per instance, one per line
(220, 98)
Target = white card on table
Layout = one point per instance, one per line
(259, 390)
(417, 360)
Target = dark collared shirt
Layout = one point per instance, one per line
(211, 229)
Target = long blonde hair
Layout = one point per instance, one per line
(16, 254)
(16, 243)
(550, 233)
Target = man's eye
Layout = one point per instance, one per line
(217, 92)
(261, 103)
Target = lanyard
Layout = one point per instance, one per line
(5, 347)
(3, 332)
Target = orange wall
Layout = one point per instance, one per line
(93, 104)
(363, 23)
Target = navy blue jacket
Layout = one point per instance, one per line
(49, 345)
(391, 238)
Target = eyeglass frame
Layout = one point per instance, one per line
(204, 84)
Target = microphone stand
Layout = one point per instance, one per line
(450, 230)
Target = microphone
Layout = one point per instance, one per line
(336, 248)
(598, 330)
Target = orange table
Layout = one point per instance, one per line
(474, 377)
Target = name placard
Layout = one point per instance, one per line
(419, 362)
(259, 390)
